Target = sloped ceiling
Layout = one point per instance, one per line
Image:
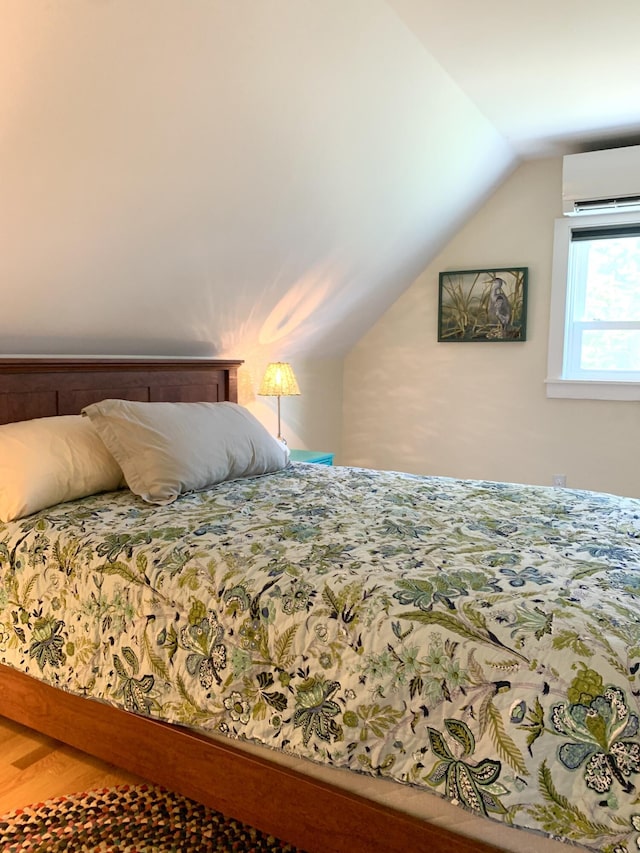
(217, 178)
(553, 76)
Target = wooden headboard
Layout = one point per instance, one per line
(44, 387)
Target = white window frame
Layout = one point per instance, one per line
(588, 388)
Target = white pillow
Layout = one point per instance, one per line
(166, 449)
(47, 461)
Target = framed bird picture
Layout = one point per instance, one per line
(483, 305)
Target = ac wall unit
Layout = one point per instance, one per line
(601, 181)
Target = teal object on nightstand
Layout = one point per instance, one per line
(315, 456)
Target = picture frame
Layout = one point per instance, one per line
(487, 305)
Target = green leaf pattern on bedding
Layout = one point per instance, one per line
(479, 640)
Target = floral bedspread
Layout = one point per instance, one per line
(480, 640)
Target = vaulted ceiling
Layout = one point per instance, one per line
(215, 177)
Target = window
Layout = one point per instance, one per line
(594, 336)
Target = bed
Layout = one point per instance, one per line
(476, 641)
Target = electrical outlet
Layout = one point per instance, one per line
(559, 480)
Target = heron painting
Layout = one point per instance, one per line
(483, 305)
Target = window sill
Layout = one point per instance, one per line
(587, 389)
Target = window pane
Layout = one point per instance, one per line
(595, 353)
(613, 279)
(611, 349)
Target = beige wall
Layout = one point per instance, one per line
(480, 410)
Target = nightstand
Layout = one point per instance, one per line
(316, 456)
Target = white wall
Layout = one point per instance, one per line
(212, 178)
(480, 410)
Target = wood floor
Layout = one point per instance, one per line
(34, 768)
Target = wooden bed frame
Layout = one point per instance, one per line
(304, 811)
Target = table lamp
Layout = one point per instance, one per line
(279, 381)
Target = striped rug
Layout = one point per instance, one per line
(140, 819)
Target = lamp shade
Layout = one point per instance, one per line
(279, 381)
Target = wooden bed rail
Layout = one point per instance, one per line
(314, 816)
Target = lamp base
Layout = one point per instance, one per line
(280, 436)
